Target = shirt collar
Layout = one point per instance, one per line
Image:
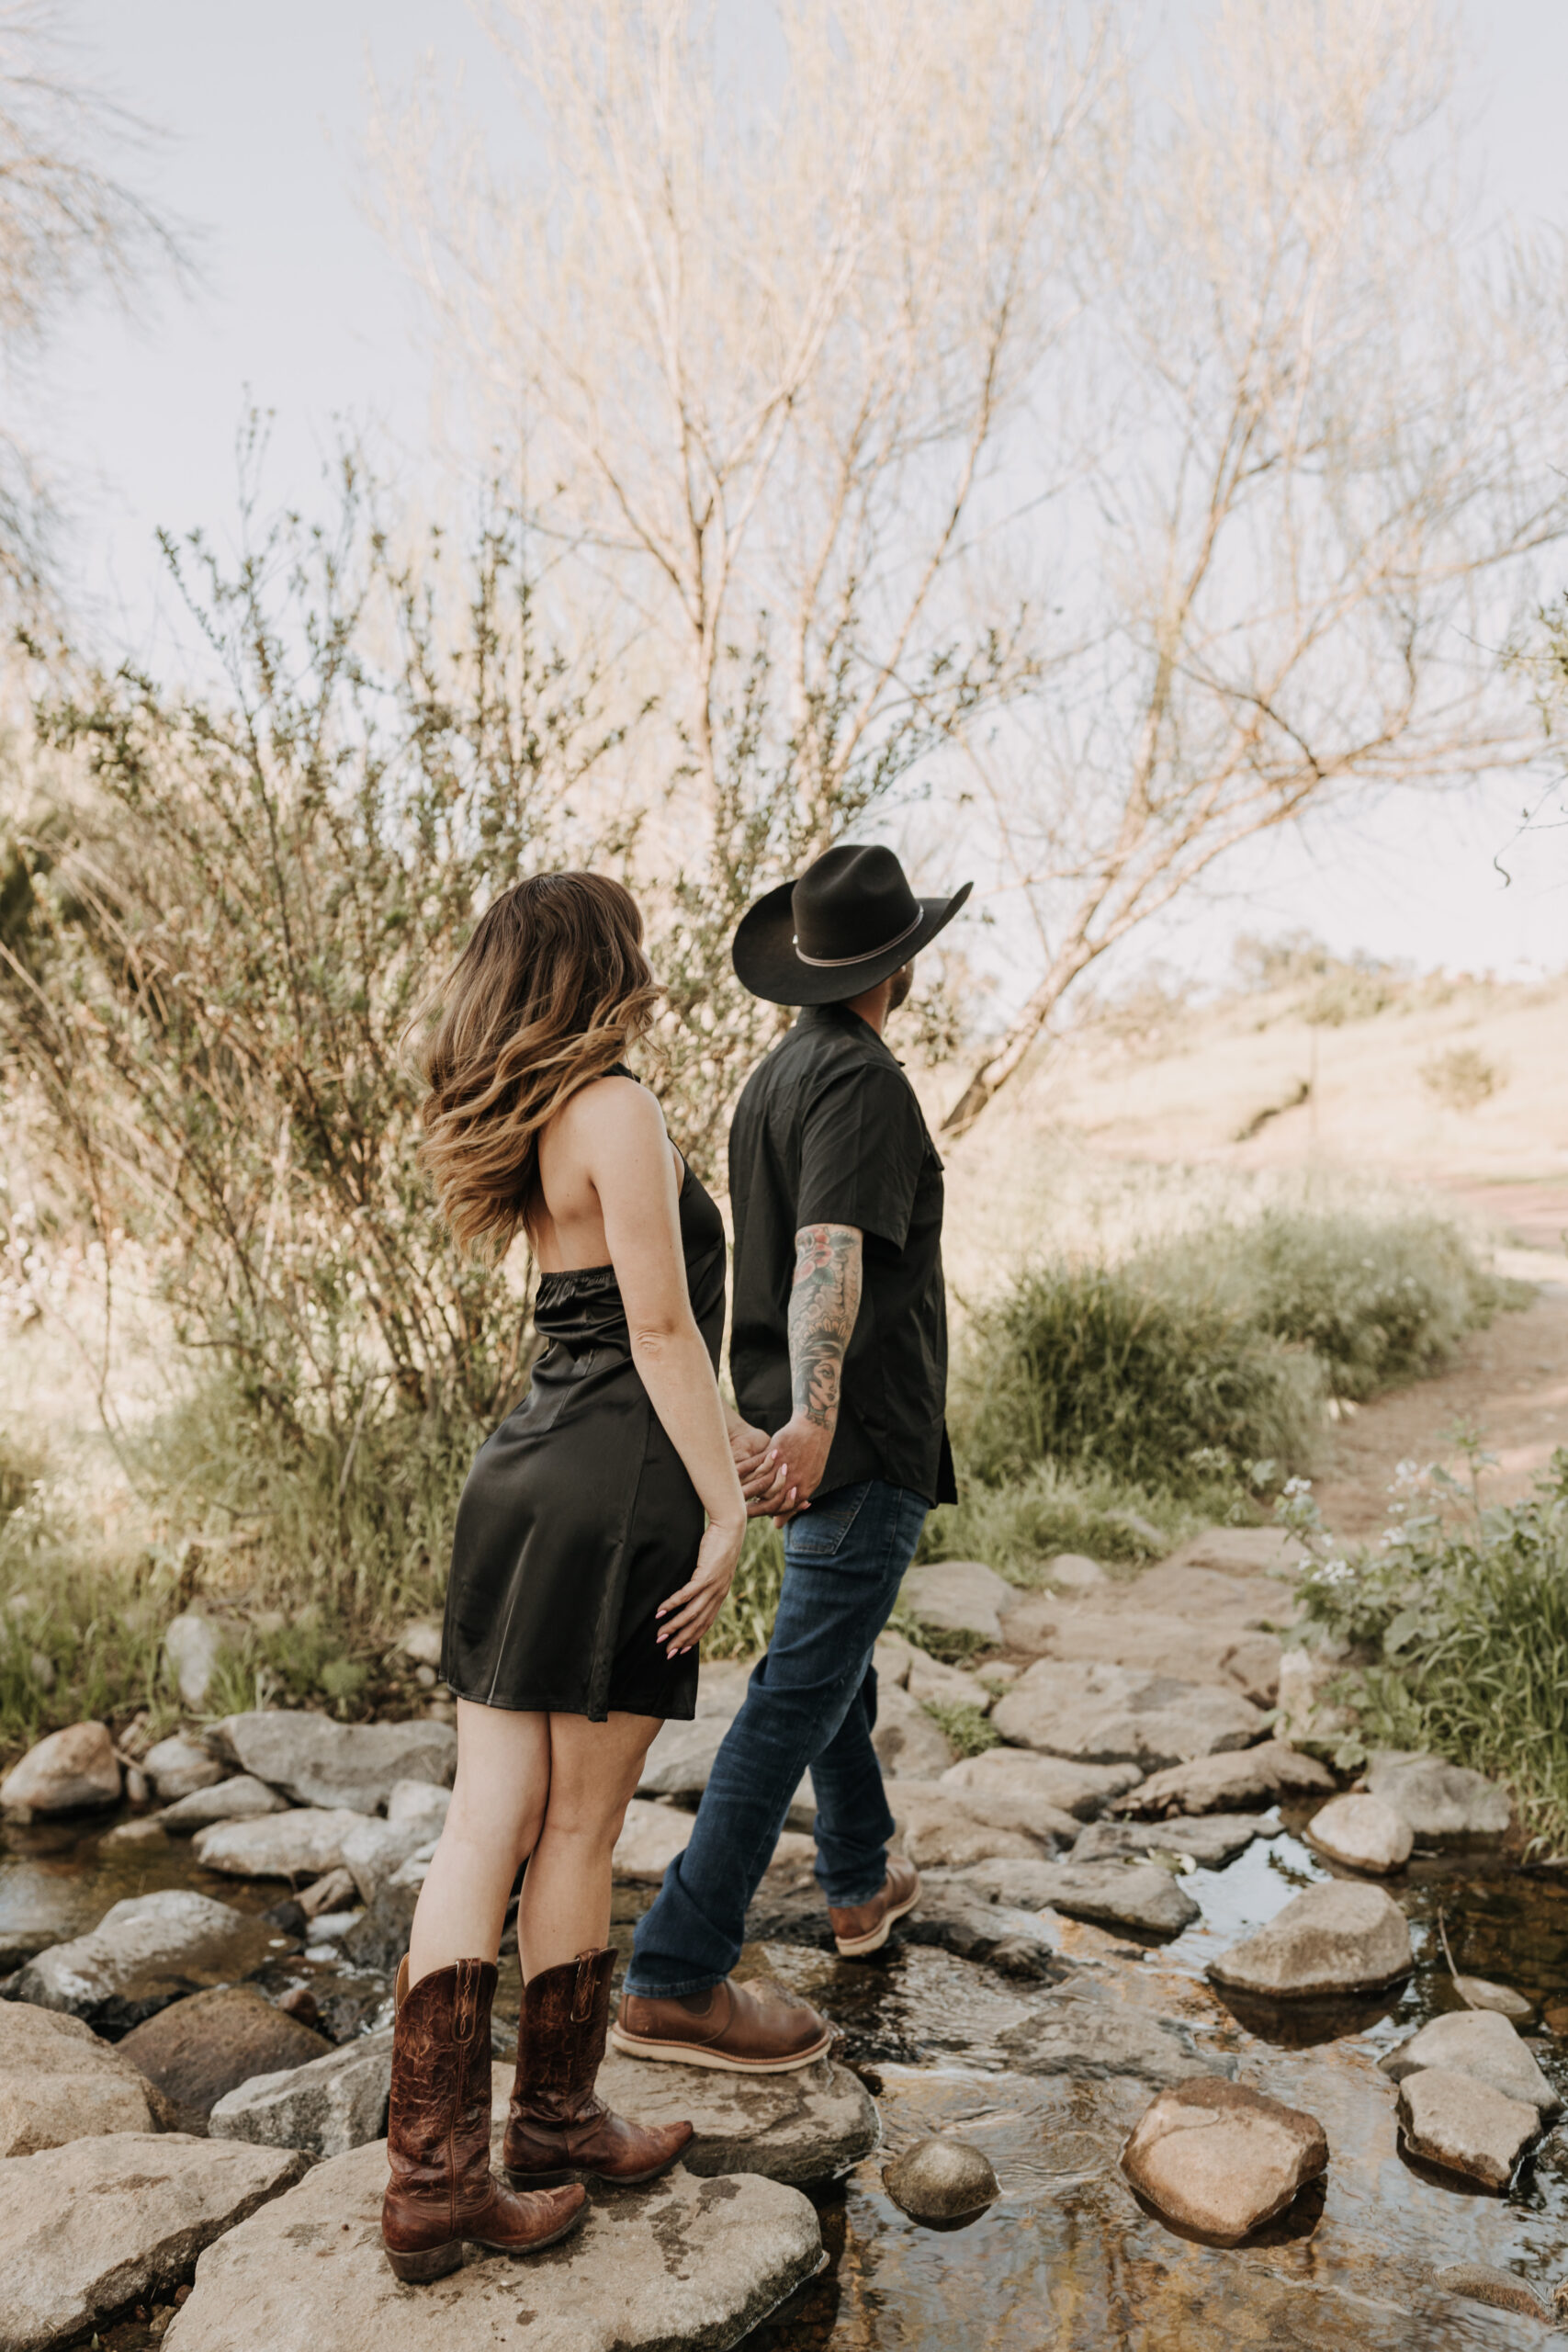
(842, 1017)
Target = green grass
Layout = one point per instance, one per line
(1016, 1527)
(969, 1728)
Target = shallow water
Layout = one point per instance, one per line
(1066, 2260)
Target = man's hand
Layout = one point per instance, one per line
(802, 1446)
(762, 1473)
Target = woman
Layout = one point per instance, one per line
(595, 1542)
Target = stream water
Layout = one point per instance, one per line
(1065, 2260)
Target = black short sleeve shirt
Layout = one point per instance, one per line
(829, 1131)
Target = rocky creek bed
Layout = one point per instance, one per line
(1029, 2041)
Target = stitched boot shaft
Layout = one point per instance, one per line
(558, 2127)
(442, 2189)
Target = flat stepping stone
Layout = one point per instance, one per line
(1217, 1783)
(145, 1953)
(805, 2129)
(1211, 1840)
(59, 2082)
(240, 1798)
(88, 2228)
(1091, 2038)
(1465, 2126)
(959, 1597)
(1135, 1633)
(1117, 1715)
(1342, 1936)
(948, 1829)
(1219, 2160)
(1363, 1833)
(315, 1762)
(1481, 2043)
(1048, 1782)
(1116, 1893)
(1445, 1805)
(292, 1844)
(685, 2261)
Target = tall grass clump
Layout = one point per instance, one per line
(1455, 1632)
(1017, 1524)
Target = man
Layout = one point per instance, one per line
(839, 1346)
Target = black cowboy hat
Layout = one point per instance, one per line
(850, 920)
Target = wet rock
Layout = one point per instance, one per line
(943, 1830)
(1090, 2036)
(685, 2261)
(198, 2049)
(1482, 2044)
(59, 2082)
(1220, 2160)
(292, 1844)
(1118, 1894)
(1465, 2126)
(38, 1906)
(1480, 2283)
(1211, 1840)
(179, 1767)
(1048, 1781)
(1341, 1936)
(651, 1835)
(145, 1953)
(70, 1772)
(318, 1762)
(955, 1917)
(1216, 1783)
(1446, 1804)
(959, 1597)
(149, 1831)
(1363, 1833)
(1480, 1992)
(681, 1757)
(240, 1798)
(940, 2180)
(1075, 1572)
(87, 2228)
(331, 2104)
(192, 1648)
(380, 1937)
(1114, 1715)
(807, 2129)
(909, 1744)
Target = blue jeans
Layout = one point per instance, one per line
(811, 1702)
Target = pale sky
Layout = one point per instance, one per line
(304, 314)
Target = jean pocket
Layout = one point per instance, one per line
(819, 1534)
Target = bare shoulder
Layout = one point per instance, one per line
(613, 1110)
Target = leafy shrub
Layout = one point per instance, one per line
(1462, 1079)
(1015, 1526)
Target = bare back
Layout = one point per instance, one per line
(604, 1141)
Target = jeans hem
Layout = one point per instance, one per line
(638, 1992)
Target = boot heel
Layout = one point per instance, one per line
(419, 2269)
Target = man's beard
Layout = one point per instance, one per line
(903, 981)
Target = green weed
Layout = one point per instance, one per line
(969, 1728)
(1016, 1527)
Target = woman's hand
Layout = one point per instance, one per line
(687, 1614)
(762, 1473)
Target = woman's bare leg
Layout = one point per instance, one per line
(595, 1769)
(498, 1802)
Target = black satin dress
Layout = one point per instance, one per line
(579, 1517)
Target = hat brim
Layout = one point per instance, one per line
(767, 964)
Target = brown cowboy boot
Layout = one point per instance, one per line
(442, 2190)
(558, 2129)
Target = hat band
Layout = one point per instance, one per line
(840, 963)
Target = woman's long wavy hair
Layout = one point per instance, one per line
(546, 996)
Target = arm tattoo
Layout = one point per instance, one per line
(822, 1310)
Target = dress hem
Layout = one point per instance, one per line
(532, 1706)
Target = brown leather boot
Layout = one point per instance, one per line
(754, 2029)
(558, 2129)
(442, 2190)
(863, 1926)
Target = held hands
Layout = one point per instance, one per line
(685, 1617)
(763, 1473)
(802, 1447)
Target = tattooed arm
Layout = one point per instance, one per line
(823, 1305)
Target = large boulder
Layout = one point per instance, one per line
(807, 2128)
(1134, 1634)
(145, 1953)
(59, 2082)
(959, 1597)
(942, 1831)
(1465, 2126)
(294, 1844)
(70, 1772)
(1048, 1782)
(329, 2105)
(1220, 2160)
(1114, 1894)
(318, 1762)
(908, 1743)
(1361, 1832)
(242, 1797)
(685, 2261)
(681, 1757)
(178, 1767)
(1211, 1840)
(1341, 1936)
(87, 2228)
(1089, 2037)
(197, 2049)
(1445, 1805)
(1217, 1783)
(1482, 2044)
(1116, 1715)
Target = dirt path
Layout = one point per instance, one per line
(1510, 1383)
